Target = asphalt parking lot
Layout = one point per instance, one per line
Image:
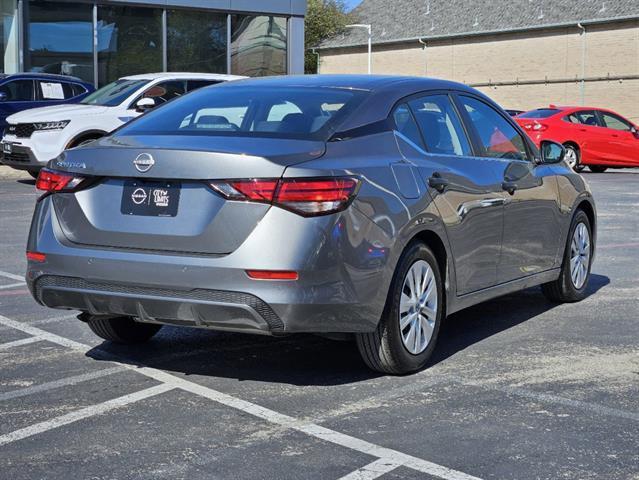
(519, 388)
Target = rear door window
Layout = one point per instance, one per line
(52, 91)
(406, 125)
(18, 90)
(584, 117)
(497, 137)
(440, 126)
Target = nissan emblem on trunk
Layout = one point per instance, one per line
(144, 162)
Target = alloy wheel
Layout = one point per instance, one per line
(580, 256)
(418, 307)
(571, 157)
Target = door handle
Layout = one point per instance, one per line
(510, 187)
(438, 182)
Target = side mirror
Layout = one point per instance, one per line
(3, 97)
(144, 104)
(551, 152)
(633, 130)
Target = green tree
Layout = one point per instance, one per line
(324, 19)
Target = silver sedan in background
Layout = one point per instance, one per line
(372, 206)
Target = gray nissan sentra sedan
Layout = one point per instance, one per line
(366, 205)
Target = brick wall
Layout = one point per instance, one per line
(612, 50)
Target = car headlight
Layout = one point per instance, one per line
(51, 125)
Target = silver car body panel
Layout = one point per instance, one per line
(191, 269)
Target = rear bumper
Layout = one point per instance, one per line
(341, 287)
(218, 309)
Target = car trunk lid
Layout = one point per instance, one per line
(151, 193)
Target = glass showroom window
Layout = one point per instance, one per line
(9, 36)
(129, 42)
(258, 45)
(196, 41)
(59, 38)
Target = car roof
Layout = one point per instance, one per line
(181, 75)
(36, 75)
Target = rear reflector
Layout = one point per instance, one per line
(304, 196)
(36, 257)
(55, 181)
(272, 275)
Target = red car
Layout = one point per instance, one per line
(593, 137)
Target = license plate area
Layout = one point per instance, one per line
(150, 199)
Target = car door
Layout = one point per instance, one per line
(18, 95)
(464, 187)
(532, 219)
(623, 143)
(592, 139)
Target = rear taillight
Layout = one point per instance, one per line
(36, 257)
(54, 181)
(304, 196)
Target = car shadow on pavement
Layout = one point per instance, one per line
(27, 181)
(474, 324)
(308, 360)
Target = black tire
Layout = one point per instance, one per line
(122, 329)
(383, 350)
(577, 167)
(563, 289)
(597, 168)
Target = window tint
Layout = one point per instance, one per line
(539, 113)
(615, 122)
(245, 111)
(584, 117)
(18, 90)
(499, 139)
(440, 126)
(195, 84)
(406, 125)
(78, 89)
(51, 91)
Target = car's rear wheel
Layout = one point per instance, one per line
(575, 270)
(597, 168)
(122, 329)
(573, 157)
(407, 332)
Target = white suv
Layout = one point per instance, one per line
(33, 137)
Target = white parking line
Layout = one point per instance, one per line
(11, 285)
(64, 382)
(17, 343)
(373, 470)
(86, 412)
(12, 276)
(171, 381)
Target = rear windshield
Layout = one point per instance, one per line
(248, 111)
(539, 113)
(113, 94)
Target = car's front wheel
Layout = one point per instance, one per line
(575, 270)
(407, 332)
(122, 329)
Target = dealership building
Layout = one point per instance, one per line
(100, 41)
(523, 53)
